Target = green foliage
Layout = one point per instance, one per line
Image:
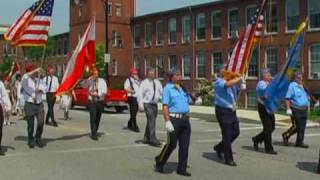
(100, 60)
(35, 53)
(5, 67)
(315, 114)
(206, 91)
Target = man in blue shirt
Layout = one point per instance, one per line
(268, 120)
(226, 92)
(297, 102)
(175, 100)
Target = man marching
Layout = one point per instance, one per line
(226, 92)
(150, 92)
(97, 89)
(176, 115)
(267, 119)
(131, 85)
(297, 102)
(52, 84)
(33, 90)
(3, 96)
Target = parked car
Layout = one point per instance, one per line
(114, 98)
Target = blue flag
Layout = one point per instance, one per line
(276, 91)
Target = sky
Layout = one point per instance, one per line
(11, 9)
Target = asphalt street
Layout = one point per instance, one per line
(71, 155)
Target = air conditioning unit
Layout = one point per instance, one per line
(160, 42)
(148, 44)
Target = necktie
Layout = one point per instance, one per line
(95, 86)
(50, 84)
(154, 90)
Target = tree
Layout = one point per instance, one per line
(5, 67)
(100, 60)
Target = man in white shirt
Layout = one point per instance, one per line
(150, 93)
(52, 84)
(97, 89)
(3, 96)
(33, 89)
(131, 85)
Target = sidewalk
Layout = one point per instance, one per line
(251, 115)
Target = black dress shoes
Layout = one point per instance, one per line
(39, 143)
(255, 144)
(285, 141)
(158, 167)
(185, 173)
(219, 153)
(31, 144)
(272, 152)
(231, 163)
(94, 137)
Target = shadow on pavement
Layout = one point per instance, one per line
(6, 148)
(63, 138)
(170, 167)
(212, 156)
(250, 148)
(308, 166)
(280, 143)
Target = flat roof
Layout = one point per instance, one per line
(183, 8)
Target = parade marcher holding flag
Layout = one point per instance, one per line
(226, 95)
(131, 85)
(297, 103)
(267, 119)
(175, 102)
(33, 89)
(52, 84)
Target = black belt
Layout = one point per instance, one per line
(178, 115)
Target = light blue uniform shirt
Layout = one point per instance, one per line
(225, 97)
(260, 90)
(176, 99)
(297, 95)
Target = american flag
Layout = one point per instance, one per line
(32, 27)
(241, 54)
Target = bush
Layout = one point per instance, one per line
(205, 91)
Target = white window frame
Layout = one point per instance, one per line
(266, 23)
(168, 30)
(182, 33)
(229, 10)
(211, 23)
(120, 7)
(212, 61)
(115, 40)
(266, 56)
(255, 77)
(145, 35)
(204, 16)
(169, 60)
(197, 60)
(309, 27)
(309, 62)
(116, 68)
(157, 65)
(286, 20)
(182, 67)
(157, 40)
(110, 5)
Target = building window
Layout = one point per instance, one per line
(216, 21)
(233, 18)
(272, 19)
(114, 67)
(252, 99)
(159, 32)
(201, 26)
(186, 67)
(186, 29)
(201, 65)
(160, 67)
(172, 29)
(292, 14)
(253, 69)
(147, 35)
(216, 62)
(110, 9)
(118, 10)
(65, 46)
(314, 14)
(272, 59)
(315, 61)
(250, 12)
(172, 61)
(148, 63)
(136, 62)
(137, 36)
(114, 38)
(299, 64)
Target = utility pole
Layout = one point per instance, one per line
(106, 55)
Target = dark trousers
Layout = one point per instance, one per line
(230, 130)
(133, 105)
(151, 113)
(95, 109)
(1, 123)
(299, 121)
(51, 100)
(268, 123)
(34, 111)
(181, 133)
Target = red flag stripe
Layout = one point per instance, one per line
(44, 23)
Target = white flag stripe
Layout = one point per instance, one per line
(38, 27)
(42, 18)
(243, 47)
(34, 37)
(20, 23)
